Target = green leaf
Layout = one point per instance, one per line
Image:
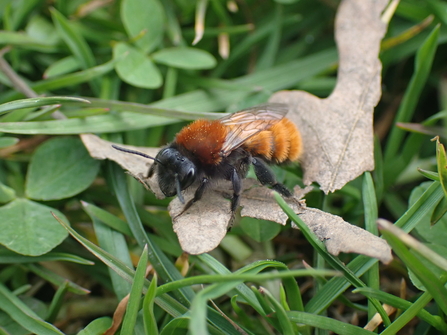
(7, 142)
(136, 68)
(28, 228)
(185, 58)
(260, 230)
(143, 20)
(37, 102)
(7, 194)
(60, 168)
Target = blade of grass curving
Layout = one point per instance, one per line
(409, 314)
(63, 81)
(361, 264)
(250, 275)
(55, 279)
(228, 283)
(418, 247)
(243, 290)
(150, 322)
(26, 42)
(10, 257)
(423, 62)
(429, 174)
(323, 322)
(37, 102)
(441, 160)
(428, 200)
(23, 315)
(434, 320)
(133, 305)
(371, 213)
(106, 123)
(56, 302)
(286, 326)
(107, 218)
(76, 43)
(176, 326)
(114, 243)
(151, 110)
(268, 56)
(334, 262)
(164, 267)
(167, 303)
(430, 281)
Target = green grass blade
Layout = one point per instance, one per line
(150, 322)
(114, 243)
(37, 102)
(332, 261)
(106, 123)
(164, 267)
(441, 159)
(56, 302)
(423, 62)
(286, 326)
(133, 305)
(371, 213)
(429, 279)
(68, 80)
(23, 315)
(322, 322)
(434, 320)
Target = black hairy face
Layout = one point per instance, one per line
(175, 171)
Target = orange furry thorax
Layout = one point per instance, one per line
(204, 139)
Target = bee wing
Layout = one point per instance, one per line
(248, 122)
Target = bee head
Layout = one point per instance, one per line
(175, 172)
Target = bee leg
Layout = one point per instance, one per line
(197, 194)
(151, 171)
(237, 189)
(266, 176)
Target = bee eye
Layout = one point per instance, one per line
(189, 178)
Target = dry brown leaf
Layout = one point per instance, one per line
(203, 226)
(338, 131)
(135, 165)
(338, 144)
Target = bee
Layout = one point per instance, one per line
(209, 150)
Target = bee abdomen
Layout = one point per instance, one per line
(279, 144)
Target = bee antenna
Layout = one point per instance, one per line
(136, 153)
(178, 188)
